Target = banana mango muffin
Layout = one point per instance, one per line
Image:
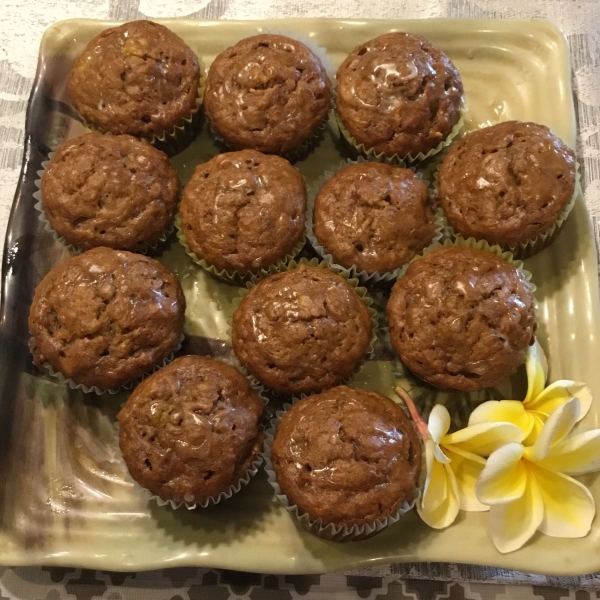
(109, 190)
(374, 217)
(461, 319)
(267, 92)
(105, 317)
(506, 183)
(191, 430)
(139, 78)
(243, 211)
(398, 94)
(347, 456)
(301, 331)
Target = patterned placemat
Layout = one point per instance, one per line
(23, 25)
(415, 582)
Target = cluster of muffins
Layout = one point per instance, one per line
(344, 462)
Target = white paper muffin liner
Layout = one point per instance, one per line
(333, 532)
(233, 276)
(176, 139)
(190, 502)
(362, 293)
(305, 148)
(539, 242)
(128, 386)
(39, 207)
(363, 277)
(371, 154)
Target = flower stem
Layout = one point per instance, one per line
(414, 413)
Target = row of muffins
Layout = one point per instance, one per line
(299, 331)
(240, 212)
(269, 92)
(345, 462)
(460, 318)
(511, 184)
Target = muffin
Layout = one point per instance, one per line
(301, 331)
(243, 211)
(191, 431)
(398, 95)
(461, 319)
(374, 217)
(139, 78)
(106, 317)
(267, 93)
(507, 183)
(114, 191)
(347, 456)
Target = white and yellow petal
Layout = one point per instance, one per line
(555, 429)
(576, 455)
(504, 477)
(507, 411)
(537, 371)
(559, 392)
(435, 488)
(538, 423)
(467, 468)
(445, 514)
(483, 438)
(569, 507)
(438, 422)
(512, 525)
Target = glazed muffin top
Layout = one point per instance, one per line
(267, 92)
(139, 78)
(373, 216)
(301, 331)
(461, 319)
(105, 317)
(347, 456)
(115, 191)
(506, 183)
(398, 94)
(243, 211)
(191, 430)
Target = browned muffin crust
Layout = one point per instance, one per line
(115, 191)
(139, 78)
(347, 456)
(268, 92)
(242, 211)
(506, 183)
(398, 94)
(301, 331)
(461, 319)
(105, 317)
(191, 430)
(373, 216)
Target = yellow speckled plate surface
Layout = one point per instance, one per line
(64, 496)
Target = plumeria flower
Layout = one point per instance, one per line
(531, 413)
(530, 488)
(454, 462)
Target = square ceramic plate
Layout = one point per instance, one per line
(64, 499)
